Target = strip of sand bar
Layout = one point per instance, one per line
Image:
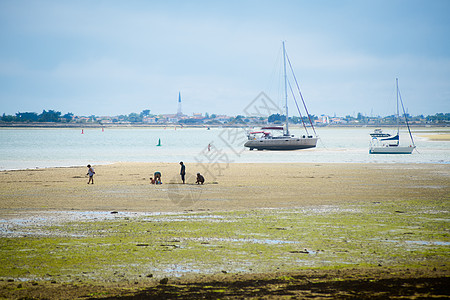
(436, 137)
(126, 186)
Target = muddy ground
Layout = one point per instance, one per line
(379, 283)
(343, 231)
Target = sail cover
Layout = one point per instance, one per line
(393, 138)
(273, 128)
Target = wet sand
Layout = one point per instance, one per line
(437, 137)
(126, 186)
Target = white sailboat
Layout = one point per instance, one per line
(391, 144)
(267, 139)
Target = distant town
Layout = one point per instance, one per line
(199, 119)
(145, 117)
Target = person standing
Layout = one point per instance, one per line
(91, 174)
(182, 171)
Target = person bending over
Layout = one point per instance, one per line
(200, 179)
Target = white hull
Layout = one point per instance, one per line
(392, 150)
(390, 145)
(282, 143)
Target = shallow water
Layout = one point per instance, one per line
(16, 224)
(20, 223)
(41, 148)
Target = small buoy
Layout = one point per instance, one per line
(159, 143)
(82, 131)
(103, 129)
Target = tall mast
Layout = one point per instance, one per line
(285, 90)
(404, 113)
(398, 117)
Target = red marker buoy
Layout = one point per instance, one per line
(82, 131)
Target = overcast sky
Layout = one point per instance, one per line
(117, 57)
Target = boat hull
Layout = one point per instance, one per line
(281, 144)
(392, 150)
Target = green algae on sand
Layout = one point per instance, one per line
(404, 234)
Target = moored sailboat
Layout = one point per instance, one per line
(391, 144)
(268, 139)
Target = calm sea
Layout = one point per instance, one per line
(42, 148)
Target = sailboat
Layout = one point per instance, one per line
(391, 144)
(268, 139)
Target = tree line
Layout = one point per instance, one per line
(57, 117)
(45, 116)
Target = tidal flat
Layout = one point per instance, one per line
(321, 230)
(139, 247)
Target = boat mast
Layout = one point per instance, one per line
(406, 118)
(285, 90)
(398, 117)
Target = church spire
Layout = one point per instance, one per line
(179, 104)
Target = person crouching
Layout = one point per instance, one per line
(200, 179)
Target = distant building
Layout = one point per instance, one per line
(168, 118)
(179, 112)
(81, 119)
(223, 118)
(105, 120)
(337, 120)
(150, 120)
(323, 119)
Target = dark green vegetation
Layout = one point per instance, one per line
(259, 241)
(45, 116)
(53, 116)
(378, 249)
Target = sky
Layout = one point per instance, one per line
(118, 57)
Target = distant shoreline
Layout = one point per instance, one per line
(143, 125)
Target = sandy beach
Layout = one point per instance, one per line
(126, 186)
(252, 230)
(437, 137)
